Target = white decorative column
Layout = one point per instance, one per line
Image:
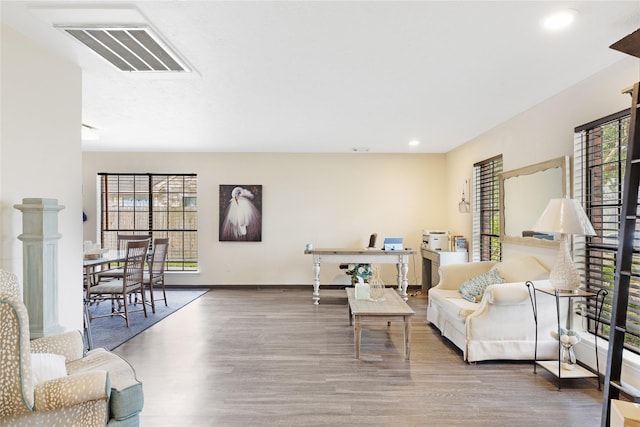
(40, 264)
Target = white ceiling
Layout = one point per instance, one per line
(321, 76)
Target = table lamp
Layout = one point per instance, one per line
(564, 216)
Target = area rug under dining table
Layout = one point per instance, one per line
(110, 332)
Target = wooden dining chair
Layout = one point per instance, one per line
(131, 283)
(121, 243)
(154, 274)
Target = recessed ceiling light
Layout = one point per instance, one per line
(414, 142)
(559, 20)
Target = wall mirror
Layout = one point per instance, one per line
(524, 193)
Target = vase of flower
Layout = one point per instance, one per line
(567, 339)
(360, 270)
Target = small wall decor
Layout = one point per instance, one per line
(240, 213)
(464, 206)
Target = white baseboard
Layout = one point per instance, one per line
(586, 353)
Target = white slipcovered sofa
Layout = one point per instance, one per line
(500, 325)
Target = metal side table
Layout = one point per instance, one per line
(555, 366)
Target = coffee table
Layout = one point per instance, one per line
(393, 306)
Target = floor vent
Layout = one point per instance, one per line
(133, 49)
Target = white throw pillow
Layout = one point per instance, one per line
(47, 366)
(522, 269)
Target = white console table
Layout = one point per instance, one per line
(361, 256)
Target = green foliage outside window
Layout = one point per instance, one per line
(602, 161)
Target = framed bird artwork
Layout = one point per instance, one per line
(240, 213)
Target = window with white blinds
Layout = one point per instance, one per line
(158, 205)
(486, 210)
(600, 154)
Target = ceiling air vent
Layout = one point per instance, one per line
(134, 49)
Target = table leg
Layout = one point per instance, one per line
(316, 282)
(87, 327)
(86, 315)
(403, 283)
(407, 337)
(357, 334)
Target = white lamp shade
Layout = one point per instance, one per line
(564, 216)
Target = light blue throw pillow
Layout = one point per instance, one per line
(473, 289)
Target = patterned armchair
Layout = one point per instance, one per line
(93, 389)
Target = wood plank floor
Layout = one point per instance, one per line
(270, 357)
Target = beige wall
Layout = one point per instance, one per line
(542, 133)
(330, 200)
(41, 157)
(339, 199)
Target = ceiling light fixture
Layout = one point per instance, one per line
(559, 20)
(414, 143)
